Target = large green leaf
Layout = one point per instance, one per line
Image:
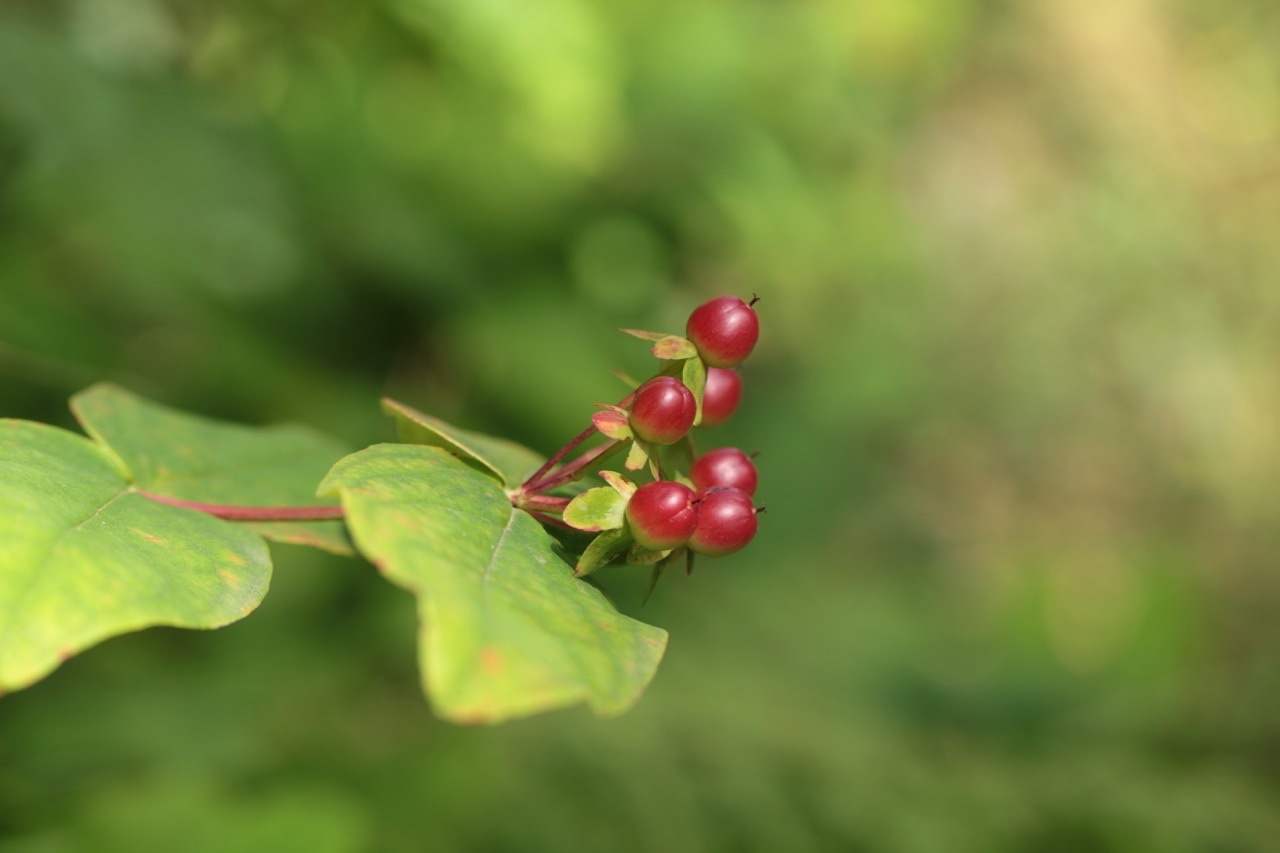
(506, 629)
(509, 461)
(196, 459)
(83, 557)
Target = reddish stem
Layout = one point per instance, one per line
(571, 471)
(551, 519)
(542, 503)
(536, 482)
(560, 454)
(231, 512)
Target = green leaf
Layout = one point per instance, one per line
(602, 550)
(83, 557)
(674, 348)
(181, 455)
(597, 509)
(695, 379)
(506, 629)
(510, 462)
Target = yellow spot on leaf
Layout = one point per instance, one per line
(491, 661)
(232, 579)
(150, 538)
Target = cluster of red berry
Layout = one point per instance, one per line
(711, 511)
(705, 509)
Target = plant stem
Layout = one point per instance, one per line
(537, 481)
(542, 504)
(231, 512)
(571, 471)
(551, 519)
(528, 484)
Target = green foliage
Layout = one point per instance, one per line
(506, 460)
(1017, 587)
(506, 629)
(193, 458)
(86, 558)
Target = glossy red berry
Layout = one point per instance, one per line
(724, 330)
(663, 410)
(725, 467)
(721, 396)
(662, 514)
(726, 522)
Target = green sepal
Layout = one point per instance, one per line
(674, 348)
(637, 456)
(627, 379)
(642, 556)
(624, 487)
(597, 509)
(602, 551)
(613, 424)
(645, 336)
(695, 379)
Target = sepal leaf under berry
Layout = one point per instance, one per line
(596, 509)
(694, 376)
(638, 555)
(602, 551)
(506, 630)
(613, 424)
(674, 348)
(646, 336)
(511, 463)
(621, 484)
(637, 456)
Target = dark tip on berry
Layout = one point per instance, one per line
(754, 300)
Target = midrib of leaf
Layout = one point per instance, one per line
(497, 547)
(10, 613)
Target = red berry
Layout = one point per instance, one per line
(724, 330)
(720, 399)
(662, 514)
(726, 522)
(726, 467)
(663, 410)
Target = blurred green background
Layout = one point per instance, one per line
(1017, 396)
